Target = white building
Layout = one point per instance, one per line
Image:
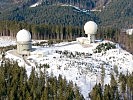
(24, 45)
(90, 29)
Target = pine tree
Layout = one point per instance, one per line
(113, 82)
(97, 91)
(114, 88)
(116, 70)
(107, 95)
(102, 75)
(123, 82)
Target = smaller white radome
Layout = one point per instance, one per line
(23, 35)
(90, 27)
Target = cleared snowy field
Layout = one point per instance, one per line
(6, 41)
(78, 63)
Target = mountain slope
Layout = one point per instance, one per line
(118, 13)
(61, 15)
(84, 4)
(114, 13)
(8, 4)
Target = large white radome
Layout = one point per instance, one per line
(90, 27)
(23, 35)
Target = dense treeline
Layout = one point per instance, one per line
(16, 85)
(117, 14)
(7, 5)
(58, 32)
(120, 88)
(126, 41)
(52, 15)
(118, 36)
(88, 4)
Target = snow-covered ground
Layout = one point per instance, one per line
(77, 9)
(6, 41)
(78, 63)
(36, 4)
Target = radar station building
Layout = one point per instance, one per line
(90, 29)
(24, 45)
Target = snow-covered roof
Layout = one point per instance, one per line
(90, 27)
(23, 35)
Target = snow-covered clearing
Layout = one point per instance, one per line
(36, 4)
(77, 9)
(6, 41)
(78, 63)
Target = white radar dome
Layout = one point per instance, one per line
(90, 27)
(23, 35)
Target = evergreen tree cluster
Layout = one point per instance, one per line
(60, 33)
(116, 35)
(86, 4)
(115, 13)
(118, 13)
(4, 49)
(118, 89)
(43, 31)
(104, 47)
(50, 14)
(16, 85)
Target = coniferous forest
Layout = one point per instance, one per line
(112, 13)
(88, 4)
(16, 85)
(65, 33)
(54, 20)
(120, 88)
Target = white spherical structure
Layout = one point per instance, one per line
(23, 35)
(90, 27)
(24, 45)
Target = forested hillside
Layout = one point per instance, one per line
(16, 85)
(118, 13)
(86, 4)
(120, 88)
(53, 15)
(6, 5)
